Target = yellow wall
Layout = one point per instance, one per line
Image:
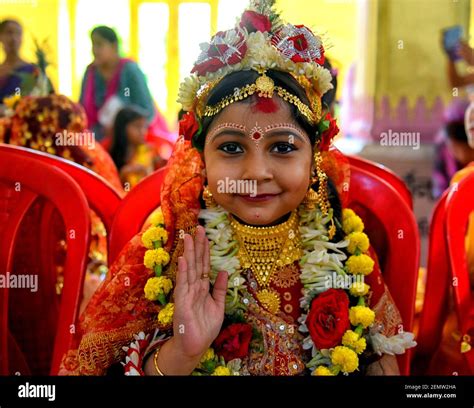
(39, 19)
(410, 60)
(334, 20)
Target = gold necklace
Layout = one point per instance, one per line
(266, 249)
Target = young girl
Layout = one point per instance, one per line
(250, 267)
(133, 157)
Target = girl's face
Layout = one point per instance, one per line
(11, 38)
(258, 165)
(136, 131)
(103, 50)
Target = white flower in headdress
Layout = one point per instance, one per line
(187, 92)
(226, 48)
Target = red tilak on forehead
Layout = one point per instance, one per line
(265, 105)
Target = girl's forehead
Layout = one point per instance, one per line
(248, 112)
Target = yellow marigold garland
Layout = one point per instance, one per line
(221, 371)
(322, 371)
(165, 316)
(344, 358)
(158, 287)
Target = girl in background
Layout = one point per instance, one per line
(134, 158)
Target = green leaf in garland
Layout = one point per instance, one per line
(162, 298)
(158, 269)
(209, 366)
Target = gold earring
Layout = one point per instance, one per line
(208, 198)
(322, 184)
(311, 197)
(323, 199)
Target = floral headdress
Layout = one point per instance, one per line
(260, 41)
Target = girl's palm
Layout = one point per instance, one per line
(198, 314)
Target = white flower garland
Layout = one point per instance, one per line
(321, 258)
(320, 261)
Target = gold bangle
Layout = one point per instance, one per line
(155, 362)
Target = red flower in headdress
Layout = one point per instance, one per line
(299, 44)
(254, 21)
(329, 129)
(226, 48)
(188, 125)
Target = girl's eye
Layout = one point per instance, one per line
(283, 148)
(231, 148)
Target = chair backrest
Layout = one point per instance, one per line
(385, 174)
(383, 208)
(435, 303)
(22, 181)
(459, 206)
(102, 197)
(134, 210)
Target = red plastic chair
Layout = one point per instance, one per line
(458, 208)
(134, 210)
(37, 179)
(385, 174)
(101, 196)
(435, 303)
(388, 217)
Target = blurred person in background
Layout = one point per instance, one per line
(17, 77)
(452, 151)
(133, 156)
(112, 82)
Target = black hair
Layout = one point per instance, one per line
(241, 78)
(456, 131)
(118, 150)
(329, 97)
(4, 24)
(106, 33)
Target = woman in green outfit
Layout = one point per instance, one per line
(112, 82)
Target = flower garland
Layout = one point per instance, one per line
(338, 351)
(333, 351)
(156, 257)
(321, 259)
(157, 288)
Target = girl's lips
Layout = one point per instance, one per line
(257, 198)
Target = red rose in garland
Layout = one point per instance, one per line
(233, 341)
(254, 21)
(188, 125)
(226, 48)
(328, 318)
(328, 129)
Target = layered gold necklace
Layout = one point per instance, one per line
(265, 250)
